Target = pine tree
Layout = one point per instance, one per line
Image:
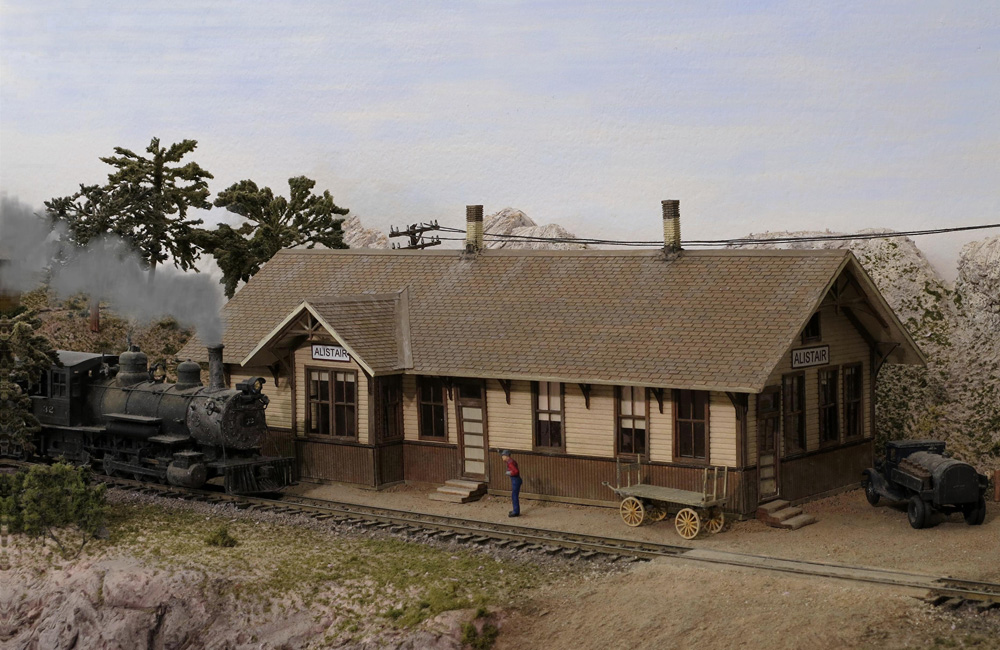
(24, 356)
(159, 192)
(273, 222)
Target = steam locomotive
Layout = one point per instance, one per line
(117, 414)
(917, 471)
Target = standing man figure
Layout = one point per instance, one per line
(515, 482)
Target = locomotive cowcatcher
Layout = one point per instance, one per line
(120, 416)
(919, 472)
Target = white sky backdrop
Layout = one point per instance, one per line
(757, 116)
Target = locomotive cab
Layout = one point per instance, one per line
(59, 398)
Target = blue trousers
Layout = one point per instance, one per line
(515, 491)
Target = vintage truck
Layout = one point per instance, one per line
(919, 472)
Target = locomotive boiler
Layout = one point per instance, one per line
(122, 417)
(919, 472)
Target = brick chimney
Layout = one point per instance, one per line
(671, 225)
(473, 228)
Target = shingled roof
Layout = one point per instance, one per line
(717, 320)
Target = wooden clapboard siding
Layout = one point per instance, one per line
(411, 416)
(510, 425)
(431, 462)
(279, 409)
(752, 431)
(661, 428)
(303, 358)
(825, 471)
(332, 461)
(278, 442)
(590, 432)
(389, 461)
(847, 346)
(410, 424)
(574, 477)
(722, 430)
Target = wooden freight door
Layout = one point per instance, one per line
(472, 429)
(768, 435)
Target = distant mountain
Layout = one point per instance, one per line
(510, 221)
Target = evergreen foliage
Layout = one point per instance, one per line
(273, 222)
(55, 502)
(24, 356)
(160, 191)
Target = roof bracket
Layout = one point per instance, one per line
(585, 389)
(505, 385)
(658, 393)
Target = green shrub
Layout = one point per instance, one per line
(221, 537)
(56, 502)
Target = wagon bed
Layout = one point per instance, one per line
(699, 511)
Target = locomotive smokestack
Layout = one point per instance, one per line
(216, 377)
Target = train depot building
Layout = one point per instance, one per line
(389, 366)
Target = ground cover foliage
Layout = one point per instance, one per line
(269, 568)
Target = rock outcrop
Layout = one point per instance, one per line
(357, 236)
(510, 221)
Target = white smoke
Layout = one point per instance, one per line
(107, 270)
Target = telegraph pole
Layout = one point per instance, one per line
(415, 232)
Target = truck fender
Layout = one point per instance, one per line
(881, 485)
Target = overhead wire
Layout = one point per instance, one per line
(500, 237)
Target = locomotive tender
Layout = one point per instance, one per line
(119, 415)
(917, 471)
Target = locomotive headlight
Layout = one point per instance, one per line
(252, 386)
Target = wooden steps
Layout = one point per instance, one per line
(780, 514)
(459, 490)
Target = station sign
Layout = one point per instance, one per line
(329, 353)
(818, 355)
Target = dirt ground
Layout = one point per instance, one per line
(674, 603)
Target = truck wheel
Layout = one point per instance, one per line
(870, 492)
(916, 512)
(975, 515)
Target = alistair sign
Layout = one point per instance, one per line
(330, 353)
(803, 357)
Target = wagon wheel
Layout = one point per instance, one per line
(633, 512)
(657, 513)
(716, 522)
(688, 523)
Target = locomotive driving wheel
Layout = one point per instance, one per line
(688, 523)
(632, 511)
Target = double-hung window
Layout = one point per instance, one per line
(631, 420)
(431, 407)
(793, 401)
(829, 413)
(853, 401)
(549, 415)
(332, 407)
(691, 424)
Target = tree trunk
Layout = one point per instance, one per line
(95, 314)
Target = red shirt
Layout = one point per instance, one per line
(512, 467)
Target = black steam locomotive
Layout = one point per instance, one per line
(917, 471)
(122, 417)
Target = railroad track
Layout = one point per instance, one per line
(947, 591)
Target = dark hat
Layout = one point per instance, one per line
(505, 452)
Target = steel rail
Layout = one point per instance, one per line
(552, 541)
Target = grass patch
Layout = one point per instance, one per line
(367, 582)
